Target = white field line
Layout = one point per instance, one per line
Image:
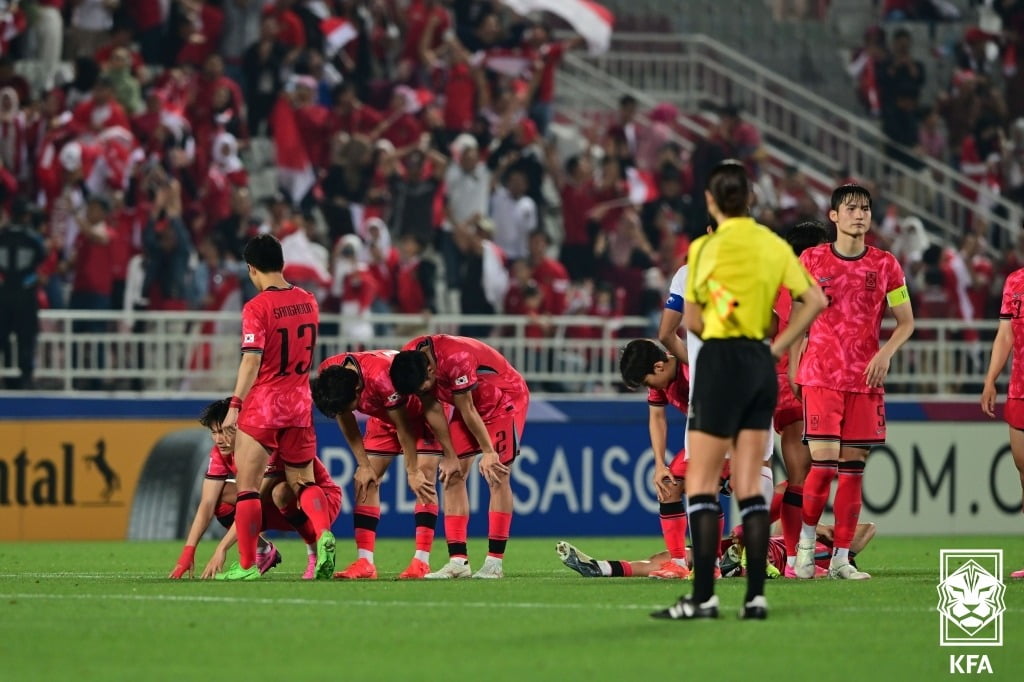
(376, 603)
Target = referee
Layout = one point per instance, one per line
(734, 277)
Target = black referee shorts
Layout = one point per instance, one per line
(735, 388)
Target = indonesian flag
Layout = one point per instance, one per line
(294, 169)
(512, 63)
(302, 264)
(415, 99)
(338, 33)
(592, 21)
(642, 187)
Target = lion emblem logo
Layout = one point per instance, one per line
(971, 598)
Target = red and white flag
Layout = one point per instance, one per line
(589, 19)
(512, 63)
(642, 187)
(294, 169)
(338, 33)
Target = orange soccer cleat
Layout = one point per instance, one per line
(360, 569)
(416, 571)
(670, 570)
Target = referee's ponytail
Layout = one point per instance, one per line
(730, 188)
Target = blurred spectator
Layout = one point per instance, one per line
(49, 30)
(86, 73)
(384, 262)
(355, 289)
(22, 251)
(467, 184)
(623, 254)
(125, 86)
(11, 79)
(933, 137)
(740, 139)
(484, 276)
(93, 282)
(550, 275)
(546, 54)
(231, 234)
(900, 79)
(514, 215)
(347, 184)
(168, 248)
(261, 74)
(90, 21)
(13, 143)
(662, 218)
(625, 127)
(863, 68)
(413, 196)
(415, 291)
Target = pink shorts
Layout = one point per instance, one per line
(853, 419)
(788, 409)
(274, 520)
(381, 438)
(505, 431)
(677, 467)
(294, 445)
(1013, 413)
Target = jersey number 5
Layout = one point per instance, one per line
(300, 334)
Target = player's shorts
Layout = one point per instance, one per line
(677, 467)
(291, 445)
(854, 419)
(735, 388)
(381, 438)
(274, 520)
(1013, 413)
(505, 431)
(788, 409)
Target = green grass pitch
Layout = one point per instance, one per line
(104, 611)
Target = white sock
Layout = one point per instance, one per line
(365, 554)
(606, 568)
(791, 561)
(679, 562)
(841, 555)
(260, 551)
(422, 556)
(311, 550)
(808, 532)
(492, 560)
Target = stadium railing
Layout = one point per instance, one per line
(798, 126)
(197, 352)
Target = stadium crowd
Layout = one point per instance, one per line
(415, 165)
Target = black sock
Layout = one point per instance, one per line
(703, 511)
(754, 513)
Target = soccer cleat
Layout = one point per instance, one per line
(268, 559)
(491, 569)
(1018, 574)
(687, 609)
(717, 574)
(845, 571)
(670, 570)
(236, 572)
(755, 609)
(310, 573)
(455, 568)
(577, 560)
(417, 569)
(804, 559)
(819, 572)
(360, 569)
(325, 556)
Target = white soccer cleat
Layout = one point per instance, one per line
(804, 567)
(455, 568)
(491, 569)
(846, 571)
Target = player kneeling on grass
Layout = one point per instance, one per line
(361, 381)
(219, 495)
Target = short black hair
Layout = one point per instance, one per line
(334, 390)
(848, 192)
(215, 412)
(408, 371)
(571, 164)
(638, 360)
(627, 101)
(540, 232)
(264, 253)
(806, 234)
(730, 188)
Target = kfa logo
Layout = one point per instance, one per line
(971, 605)
(871, 280)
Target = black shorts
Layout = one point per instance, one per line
(735, 388)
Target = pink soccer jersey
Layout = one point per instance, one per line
(281, 324)
(465, 364)
(845, 336)
(1013, 294)
(676, 394)
(221, 466)
(783, 308)
(374, 367)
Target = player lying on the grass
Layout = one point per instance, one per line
(733, 564)
(1009, 338)
(218, 499)
(361, 381)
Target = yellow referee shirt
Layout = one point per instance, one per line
(735, 273)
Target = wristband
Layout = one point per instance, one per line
(235, 403)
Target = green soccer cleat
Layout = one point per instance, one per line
(325, 556)
(236, 572)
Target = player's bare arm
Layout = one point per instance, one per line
(420, 484)
(1001, 347)
(248, 369)
(668, 334)
(209, 497)
(449, 469)
(365, 477)
(657, 424)
(878, 368)
(491, 467)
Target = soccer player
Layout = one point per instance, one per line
(841, 373)
(361, 381)
(490, 400)
(644, 363)
(271, 408)
(789, 413)
(733, 279)
(1009, 338)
